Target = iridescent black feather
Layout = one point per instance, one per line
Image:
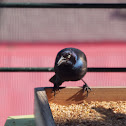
(70, 65)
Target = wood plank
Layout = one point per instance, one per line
(72, 95)
(43, 115)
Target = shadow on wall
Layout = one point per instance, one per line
(1, 9)
(119, 14)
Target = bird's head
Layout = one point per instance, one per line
(67, 58)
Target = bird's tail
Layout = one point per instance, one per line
(53, 79)
(56, 81)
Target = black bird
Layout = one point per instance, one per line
(70, 65)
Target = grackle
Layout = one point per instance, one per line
(70, 65)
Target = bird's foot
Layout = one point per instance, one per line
(55, 89)
(86, 88)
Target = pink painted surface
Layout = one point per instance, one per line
(17, 89)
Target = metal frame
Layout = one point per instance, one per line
(51, 69)
(63, 5)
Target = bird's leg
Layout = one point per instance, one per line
(55, 88)
(86, 87)
(58, 89)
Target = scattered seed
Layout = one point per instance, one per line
(93, 113)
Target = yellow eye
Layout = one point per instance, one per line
(69, 56)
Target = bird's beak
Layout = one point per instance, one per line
(61, 60)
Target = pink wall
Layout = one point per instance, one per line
(17, 89)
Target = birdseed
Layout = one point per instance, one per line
(92, 113)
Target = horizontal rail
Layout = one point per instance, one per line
(27, 69)
(106, 69)
(51, 69)
(62, 5)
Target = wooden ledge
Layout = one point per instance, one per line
(70, 95)
(42, 112)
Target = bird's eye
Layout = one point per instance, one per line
(69, 56)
